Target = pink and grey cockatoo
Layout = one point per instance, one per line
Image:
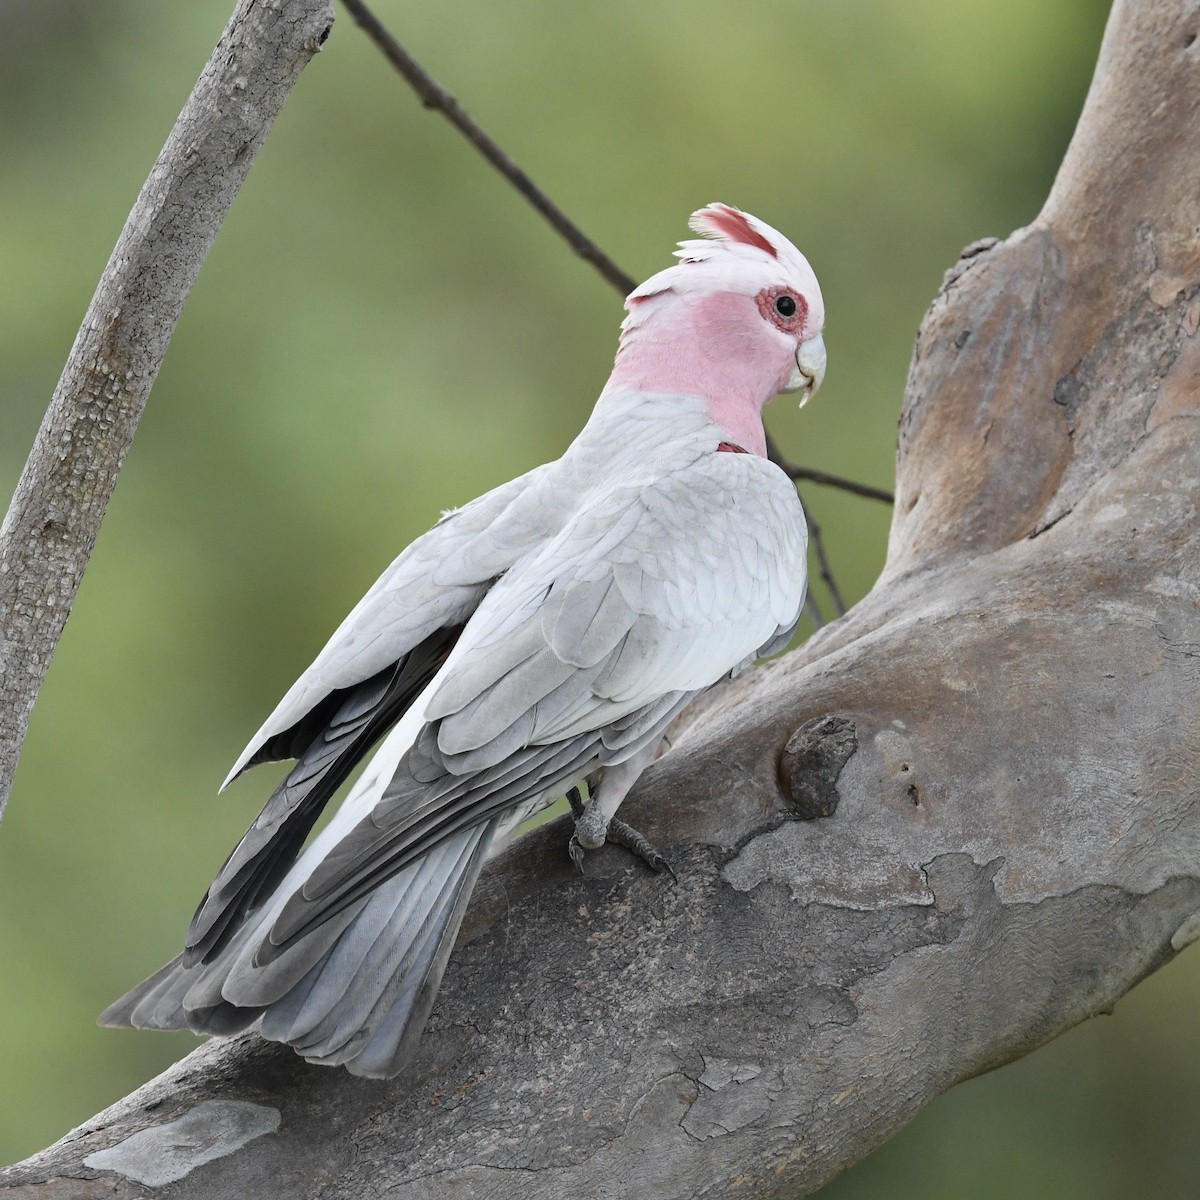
(543, 635)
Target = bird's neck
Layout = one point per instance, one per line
(694, 350)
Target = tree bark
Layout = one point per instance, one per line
(1000, 743)
(69, 478)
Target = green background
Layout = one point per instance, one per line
(384, 330)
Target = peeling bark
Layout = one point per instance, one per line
(1005, 731)
(62, 494)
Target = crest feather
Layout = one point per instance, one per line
(727, 223)
(736, 252)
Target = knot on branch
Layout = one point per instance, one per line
(811, 763)
(966, 260)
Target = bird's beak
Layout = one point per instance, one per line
(810, 367)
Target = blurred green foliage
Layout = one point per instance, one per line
(383, 330)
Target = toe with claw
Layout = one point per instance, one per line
(591, 832)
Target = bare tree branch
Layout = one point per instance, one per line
(1005, 730)
(64, 490)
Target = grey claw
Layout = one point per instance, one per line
(595, 835)
(576, 851)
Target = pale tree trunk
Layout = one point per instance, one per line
(1008, 730)
(64, 490)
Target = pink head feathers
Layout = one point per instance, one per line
(736, 320)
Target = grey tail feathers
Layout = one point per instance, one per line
(356, 991)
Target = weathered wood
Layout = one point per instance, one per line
(64, 490)
(1015, 838)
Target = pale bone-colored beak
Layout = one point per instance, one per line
(810, 366)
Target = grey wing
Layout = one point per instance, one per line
(580, 656)
(434, 584)
(379, 660)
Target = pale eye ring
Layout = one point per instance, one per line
(785, 305)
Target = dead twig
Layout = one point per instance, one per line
(800, 474)
(434, 96)
(813, 609)
(826, 573)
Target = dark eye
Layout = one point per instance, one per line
(785, 306)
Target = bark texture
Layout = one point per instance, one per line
(64, 490)
(1004, 735)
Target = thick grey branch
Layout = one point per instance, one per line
(1005, 733)
(64, 490)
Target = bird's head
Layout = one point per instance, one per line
(735, 322)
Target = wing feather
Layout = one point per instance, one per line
(437, 582)
(513, 716)
(270, 846)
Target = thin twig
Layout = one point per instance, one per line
(814, 537)
(814, 612)
(811, 475)
(434, 96)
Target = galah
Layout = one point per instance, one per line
(544, 635)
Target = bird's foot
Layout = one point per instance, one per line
(591, 833)
(637, 843)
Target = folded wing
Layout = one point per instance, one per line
(377, 662)
(579, 657)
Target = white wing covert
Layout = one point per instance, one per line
(650, 589)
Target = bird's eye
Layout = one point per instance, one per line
(784, 307)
